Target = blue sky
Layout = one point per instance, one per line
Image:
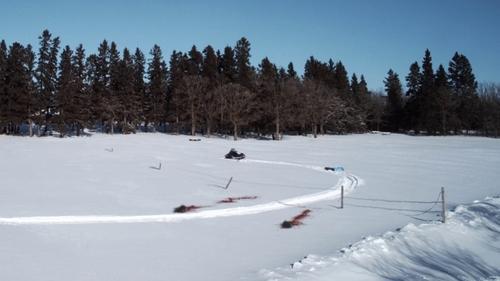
(368, 36)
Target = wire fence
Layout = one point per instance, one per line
(414, 213)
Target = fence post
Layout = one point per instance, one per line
(341, 197)
(443, 209)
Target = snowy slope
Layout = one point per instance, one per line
(103, 176)
(467, 247)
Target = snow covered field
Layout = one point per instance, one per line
(95, 208)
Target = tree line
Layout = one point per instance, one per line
(443, 101)
(219, 92)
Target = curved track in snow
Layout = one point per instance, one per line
(350, 182)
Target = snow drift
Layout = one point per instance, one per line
(465, 248)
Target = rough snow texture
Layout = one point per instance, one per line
(115, 175)
(467, 247)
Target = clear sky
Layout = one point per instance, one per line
(368, 36)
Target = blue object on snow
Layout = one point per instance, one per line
(335, 169)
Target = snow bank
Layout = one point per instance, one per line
(465, 248)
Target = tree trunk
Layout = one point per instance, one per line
(277, 125)
(235, 131)
(30, 122)
(315, 130)
(322, 129)
(193, 121)
(177, 129)
(209, 128)
(112, 126)
(443, 121)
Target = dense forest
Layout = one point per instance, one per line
(64, 91)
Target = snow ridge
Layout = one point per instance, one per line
(350, 182)
(465, 248)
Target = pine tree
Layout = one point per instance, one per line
(428, 105)
(99, 76)
(81, 98)
(354, 87)
(342, 80)
(464, 87)
(444, 99)
(157, 87)
(195, 61)
(178, 69)
(362, 93)
(4, 101)
(66, 91)
(19, 87)
(46, 74)
(210, 73)
(209, 66)
(139, 62)
(31, 90)
(394, 105)
(228, 65)
(267, 101)
(291, 71)
(414, 104)
(126, 93)
(243, 67)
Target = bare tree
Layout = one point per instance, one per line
(238, 101)
(194, 87)
(209, 108)
(321, 105)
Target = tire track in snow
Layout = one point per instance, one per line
(350, 182)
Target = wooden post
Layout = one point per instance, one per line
(228, 183)
(341, 197)
(443, 209)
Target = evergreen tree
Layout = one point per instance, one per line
(362, 93)
(81, 98)
(354, 86)
(99, 72)
(331, 74)
(291, 71)
(66, 92)
(195, 61)
(129, 103)
(464, 87)
(209, 67)
(19, 89)
(112, 102)
(342, 80)
(444, 99)
(4, 101)
(139, 99)
(157, 87)
(228, 65)
(242, 59)
(413, 107)
(394, 105)
(176, 98)
(267, 99)
(46, 74)
(316, 70)
(428, 106)
(210, 73)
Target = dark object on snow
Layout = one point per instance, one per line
(333, 169)
(233, 154)
(194, 139)
(286, 224)
(297, 220)
(185, 209)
